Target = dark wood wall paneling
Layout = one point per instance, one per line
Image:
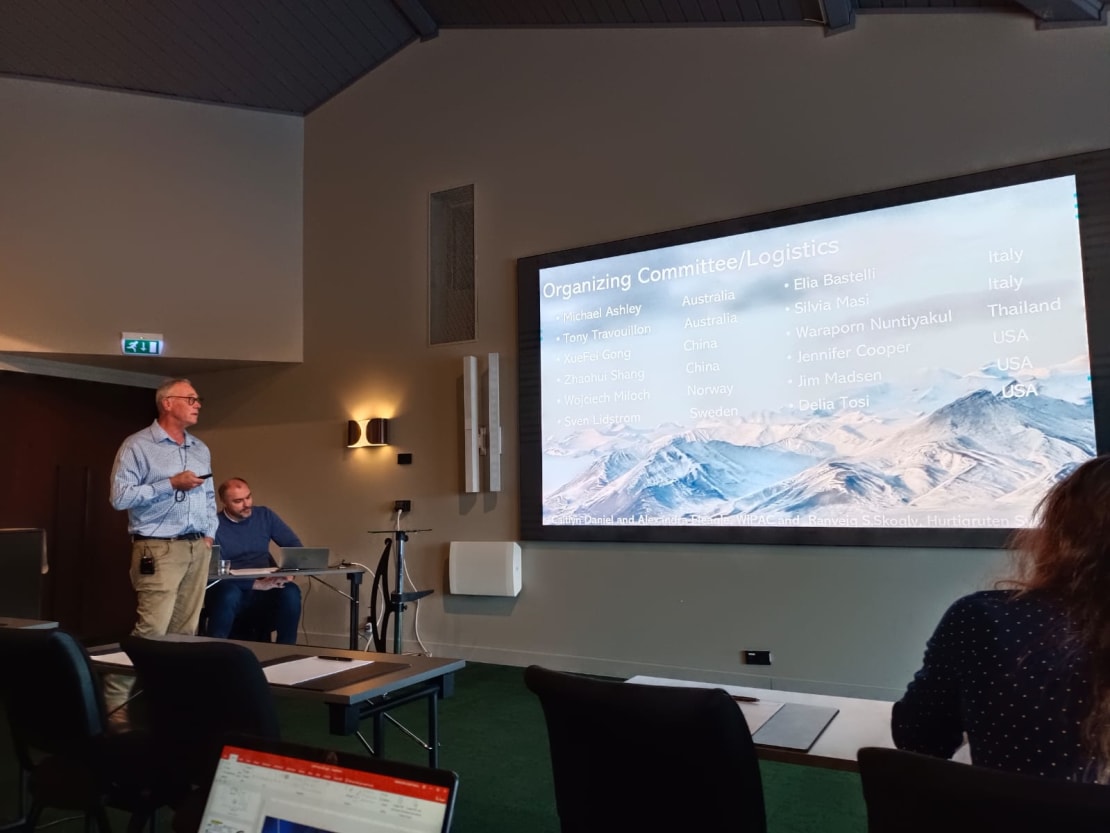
(58, 440)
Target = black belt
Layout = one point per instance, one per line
(188, 536)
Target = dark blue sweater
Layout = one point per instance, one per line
(246, 543)
(1004, 670)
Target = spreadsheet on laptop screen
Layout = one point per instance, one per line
(259, 791)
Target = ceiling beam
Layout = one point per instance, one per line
(838, 15)
(418, 18)
(1065, 12)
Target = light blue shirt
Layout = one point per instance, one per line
(141, 484)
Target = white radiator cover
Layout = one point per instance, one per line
(484, 568)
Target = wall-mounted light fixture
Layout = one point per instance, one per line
(365, 432)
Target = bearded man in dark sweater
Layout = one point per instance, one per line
(252, 608)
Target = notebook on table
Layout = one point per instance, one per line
(303, 558)
(795, 726)
(265, 786)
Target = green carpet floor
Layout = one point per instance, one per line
(492, 734)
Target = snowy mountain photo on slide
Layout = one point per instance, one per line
(983, 457)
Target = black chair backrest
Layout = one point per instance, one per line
(639, 757)
(52, 697)
(911, 793)
(196, 694)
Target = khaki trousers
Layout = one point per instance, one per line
(169, 601)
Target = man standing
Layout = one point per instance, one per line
(244, 608)
(162, 478)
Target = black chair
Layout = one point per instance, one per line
(242, 630)
(197, 695)
(67, 758)
(639, 757)
(911, 793)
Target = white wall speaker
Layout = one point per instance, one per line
(484, 568)
(493, 437)
(471, 470)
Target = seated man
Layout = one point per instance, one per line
(251, 608)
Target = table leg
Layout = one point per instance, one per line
(345, 720)
(378, 722)
(355, 580)
(433, 730)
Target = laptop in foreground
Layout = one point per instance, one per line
(264, 786)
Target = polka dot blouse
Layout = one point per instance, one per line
(999, 668)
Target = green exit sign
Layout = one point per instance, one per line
(141, 344)
(145, 346)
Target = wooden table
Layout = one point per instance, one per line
(424, 678)
(15, 622)
(858, 723)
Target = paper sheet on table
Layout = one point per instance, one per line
(758, 713)
(310, 668)
(253, 571)
(113, 658)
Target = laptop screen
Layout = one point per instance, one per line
(303, 558)
(283, 788)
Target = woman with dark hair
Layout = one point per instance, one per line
(1025, 671)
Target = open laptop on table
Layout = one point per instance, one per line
(302, 558)
(266, 786)
(289, 559)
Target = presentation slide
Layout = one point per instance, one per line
(919, 366)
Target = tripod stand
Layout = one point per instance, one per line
(395, 602)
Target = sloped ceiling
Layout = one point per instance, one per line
(293, 55)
